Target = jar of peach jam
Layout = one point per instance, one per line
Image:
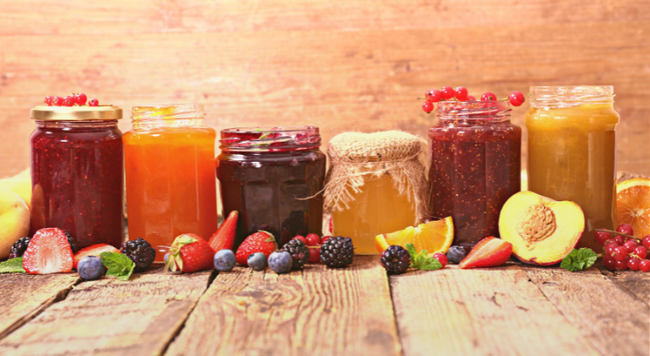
(572, 151)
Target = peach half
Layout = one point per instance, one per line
(542, 231)
(14, 220)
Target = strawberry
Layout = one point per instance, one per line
(189, 253)
(48, 252)
(224, 238)
(93, 250)
(489, 252)
(260, 241)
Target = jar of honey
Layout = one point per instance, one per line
(572, 151)
(77, 172)
(170, 181)
(376, 185)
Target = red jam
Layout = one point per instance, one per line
(273, 177)
(77, 179)
(475, 166)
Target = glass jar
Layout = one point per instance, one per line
(572, 151)
(475, 166)
(77, 173)
(273, 177)
(170, 183)
(376, 185)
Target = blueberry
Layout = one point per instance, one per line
(455, 254)
(166, 257)
(280, 262)
(257, 261)
(91, 268)
(224, 260)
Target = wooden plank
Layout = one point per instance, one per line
(318, 311)
(614, 321)
(495, 311)
(24, 296)
(137, 317)
(635, 282)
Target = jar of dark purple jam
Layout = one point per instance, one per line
(273, 177)
(475, 166)
(77, 172)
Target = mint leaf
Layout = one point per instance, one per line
(579, 260)
(118, 265)
(421, 260)
(14, 265)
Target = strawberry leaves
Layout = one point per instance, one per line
(422, 260)
(175, 261)
(579, 260)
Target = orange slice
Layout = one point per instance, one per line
(633, 205)
(434, 236)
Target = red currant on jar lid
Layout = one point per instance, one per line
(427, 106)
(516, 98)
(433, 95)
(80, 99)
(447, 93)
(93, 102)
(68, 100)
(488, 96)
(461, 93)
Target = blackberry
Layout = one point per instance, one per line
(337, 252)
(72, 241)
(140, 252)
(298, 251)
(19, 247)
(395, 259)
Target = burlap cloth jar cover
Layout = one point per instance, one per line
(357, 157)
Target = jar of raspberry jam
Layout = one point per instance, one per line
(475, 166)
(77, 172)
(273, 177)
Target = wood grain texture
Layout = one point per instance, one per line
(495, 311)
(137, 317)
(24, 296)
(356, 65)
(635, 282)
(614, 321)
(317, 311)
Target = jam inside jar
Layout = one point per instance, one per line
(475, 166)
(77, 173)
(273, 177)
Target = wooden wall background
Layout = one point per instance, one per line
(340, 65)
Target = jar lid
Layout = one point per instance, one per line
(359, 147)
(76, 113)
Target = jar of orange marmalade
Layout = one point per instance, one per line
(170, 181)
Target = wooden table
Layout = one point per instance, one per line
(511, 310)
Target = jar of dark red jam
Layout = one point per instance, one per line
(273, 177)
(77, 172)
(475, 166)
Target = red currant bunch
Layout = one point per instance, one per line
(623, 250)
(79, 99)
(461, 94)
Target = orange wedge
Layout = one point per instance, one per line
(633, 205)
(434, 236)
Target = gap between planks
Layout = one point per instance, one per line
(317, 311)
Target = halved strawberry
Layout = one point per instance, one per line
(93, 250)
(48, 252)
(190, 253)
(489, 252)
(260, 241)
(224, 238)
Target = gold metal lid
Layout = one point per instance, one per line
(76, 113)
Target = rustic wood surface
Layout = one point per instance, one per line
(318, 311)
(511, 310)
(483, 311)
(24, 297)
(341, 66)
(138, 317)
(600, 312)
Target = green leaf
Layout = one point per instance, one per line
(118, 265)
(412, 253)
(421, 260)
(432, 264)
(579, 260)
(14, 265)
